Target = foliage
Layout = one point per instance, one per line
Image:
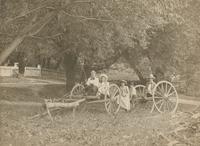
(162, 34)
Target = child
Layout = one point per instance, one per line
(133, 94)
(92, 84)
(150, 86)
(103, 88)
(125, 99)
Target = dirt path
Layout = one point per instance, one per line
(24, 82)
(189, 102)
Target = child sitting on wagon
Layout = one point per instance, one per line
(103, 88)
(150, 86)
(92, 84)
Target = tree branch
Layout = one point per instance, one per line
(7, 34)
(46, 37)
(87, 18)
(31, 29)
(42, 24)
(106, 64)
(29, 12)
(83, 1)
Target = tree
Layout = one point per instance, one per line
(100, 30)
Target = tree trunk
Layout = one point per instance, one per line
(132, 61)
(11, 48)
(70, 62)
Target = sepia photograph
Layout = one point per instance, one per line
(99, 72)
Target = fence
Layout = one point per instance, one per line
(9, 71)
(32, 71)
(52, 74)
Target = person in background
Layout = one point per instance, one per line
(150, 85)
(173, 77)
(103, 86)
(125, 96)
(133, 94)
(92, 84)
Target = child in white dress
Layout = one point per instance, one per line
(125, 96)
(103, 88)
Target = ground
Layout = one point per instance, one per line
(90, 126)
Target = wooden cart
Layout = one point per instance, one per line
(164, 98)
(111, 100)
(78, 96)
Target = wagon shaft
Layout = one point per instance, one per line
(68, 105)
(62, 104)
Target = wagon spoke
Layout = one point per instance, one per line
(113, 92)
(161, 105)
(169, 90)
(166, 87)
(107, 104)
(116, 91)
(157, 92)
(158, 102)
(161, 90)
(162, 86)
(169, 95)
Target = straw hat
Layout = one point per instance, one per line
(93, 71)
(151, 76)
(104, 75)
(124, 81)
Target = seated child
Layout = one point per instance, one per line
(150, 86)
(92, 84)
(103, 88)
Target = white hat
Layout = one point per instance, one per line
(104, 75)
(124, 81)
(151, 76)
(93, 71)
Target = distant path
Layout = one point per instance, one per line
(189, 102)
(30, 82)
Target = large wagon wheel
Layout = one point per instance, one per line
(77, 91)
(165, 97)
(140, 91)
(112, 100)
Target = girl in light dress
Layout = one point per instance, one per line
(133, 94)
(125, 96)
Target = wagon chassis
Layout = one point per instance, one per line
(77, 96)
(164, 98)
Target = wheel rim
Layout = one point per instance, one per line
(140, 91)
(77, 91)
(165, 97)
(112, 100)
